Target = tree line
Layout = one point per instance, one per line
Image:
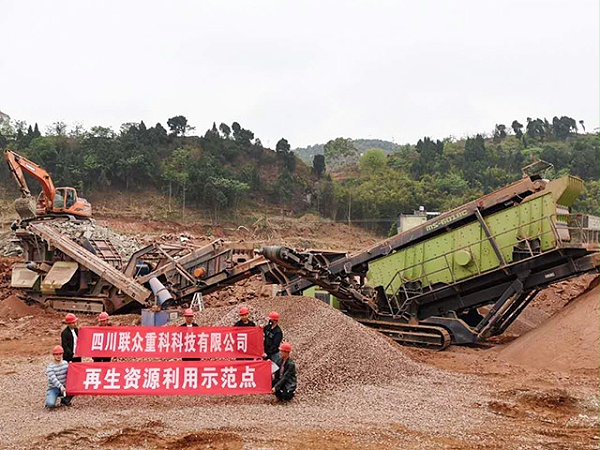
(443, 174)
(217, 171)
(368, 182)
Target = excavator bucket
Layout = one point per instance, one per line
(25, 207)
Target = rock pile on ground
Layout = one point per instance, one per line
(333, 350)
(567, 342)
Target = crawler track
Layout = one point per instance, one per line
(425, 336)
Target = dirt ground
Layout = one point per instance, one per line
(536, 387)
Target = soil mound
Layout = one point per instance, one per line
(13, 308)
(567, 342)
(332, 349)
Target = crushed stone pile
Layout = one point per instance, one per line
(125, 245)
(332, 349)
(567, 342)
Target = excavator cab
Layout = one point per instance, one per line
(64, 198)
(66, 201)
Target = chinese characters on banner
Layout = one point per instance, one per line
(170, 378)
(170, 342)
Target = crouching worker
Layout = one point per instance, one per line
(284, 379)
(57, 379)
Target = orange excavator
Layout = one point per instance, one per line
(52, 201)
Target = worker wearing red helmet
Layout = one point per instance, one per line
(188, 316)
(272, 336)
(57, 379)
(68, 338)
(284, 379)
(103, 322)
(244, 318)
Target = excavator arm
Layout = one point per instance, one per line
(19, 164)
(26, 206)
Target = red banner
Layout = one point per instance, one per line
(170, 378)
(170, 342)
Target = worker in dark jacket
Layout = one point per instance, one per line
(284, 379)
(188, 315)
(273, 336)
(68, 338)
(244, 318)
(103, 322)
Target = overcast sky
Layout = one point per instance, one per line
(308, 71)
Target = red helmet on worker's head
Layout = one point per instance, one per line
(244, 310)
(188, 313)
(285, 347)
(274, 315)
(102, 316)
(57, 350)
(70, 318)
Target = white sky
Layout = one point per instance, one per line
(308, 71)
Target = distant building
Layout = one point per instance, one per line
(409, 221)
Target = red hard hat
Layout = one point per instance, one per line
(285, 347)
(70, 318)
(57, 350)
(274, 315)
(188, 313)
(244, 310)
(102, 316)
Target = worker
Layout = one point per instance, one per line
(57, 379)
(284, 379)
(188, 315)
(103, 322)
(272, 336)
(68, 338)
(244, 318)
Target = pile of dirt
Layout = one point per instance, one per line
(567, 342)
(13, 308)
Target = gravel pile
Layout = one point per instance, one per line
(332, 349)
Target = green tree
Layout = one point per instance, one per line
(499, 132)
(340, 150)
(225, 130)
(517, 128)
(429, 157)
(564, 127)
(475, 160)
(372, 162)
(282, 146)
(178, 125)
(318, 166)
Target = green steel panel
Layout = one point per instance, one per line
(434, 260)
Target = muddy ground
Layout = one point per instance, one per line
(534, 388)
